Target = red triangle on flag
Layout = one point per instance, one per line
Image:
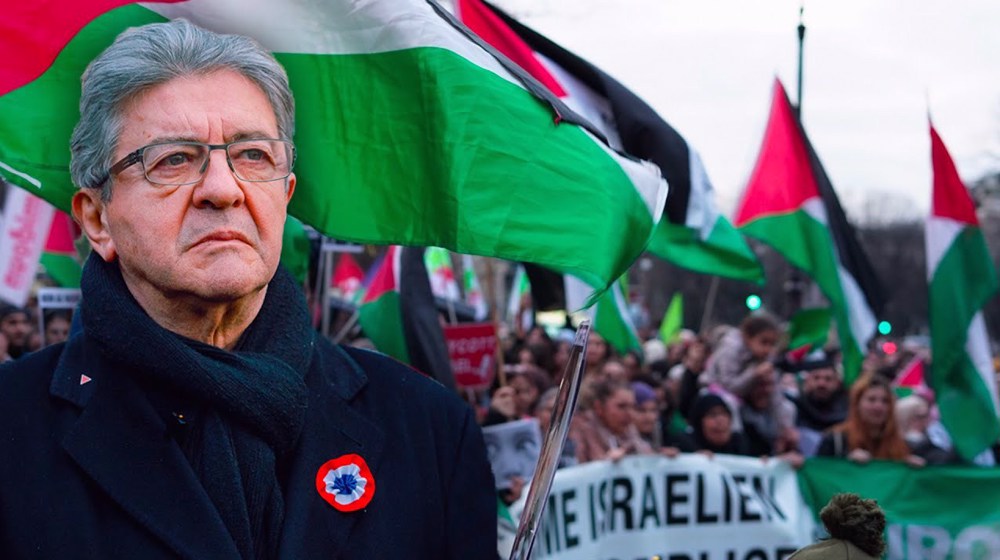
(912, 376)
(951, 198)
(783, 178)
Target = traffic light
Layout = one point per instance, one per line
(884, 328)
(889, 348)
(753, 302)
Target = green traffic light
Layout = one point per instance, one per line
(753, 302)
(884, 328)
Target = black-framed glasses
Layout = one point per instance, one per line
(184, 163)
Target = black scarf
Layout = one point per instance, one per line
(250, 403)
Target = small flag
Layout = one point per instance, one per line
(347, 279)
(473, 293)
(673, 319)
(441, 273)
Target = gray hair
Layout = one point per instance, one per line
(144, 57)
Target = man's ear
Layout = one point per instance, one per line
(289, 188)
(89, 212)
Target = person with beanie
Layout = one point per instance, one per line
(856, 528)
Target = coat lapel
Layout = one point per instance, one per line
(312, 527)
(123, 445)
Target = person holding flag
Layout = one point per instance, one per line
(199, 415)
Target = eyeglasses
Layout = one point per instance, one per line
(185, 163)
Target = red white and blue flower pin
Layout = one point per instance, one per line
(346, 483)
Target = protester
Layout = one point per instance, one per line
(913, 414)
(712, 427)
(199, 415)
(608, 431)
(655, 420)
(821, 404)
(16, 327)
(685, 376)
(529, 382)
(57, 326)
(870, 431)
(856, 528)
(743, 355)
(764, 416)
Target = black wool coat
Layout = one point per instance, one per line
(88, 469)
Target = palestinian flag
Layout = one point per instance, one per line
(961, 280)
(790, 204)
(409, 129)
(692, 233)
(347, 279)
(399, 316)
(59, 255)
(610, 317)
(379, 315)
(910, 379)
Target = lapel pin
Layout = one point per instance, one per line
(84, 379)
(346, 483)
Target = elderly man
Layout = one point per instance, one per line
(198, 415)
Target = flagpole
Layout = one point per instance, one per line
(548, 459)
(795, 285)
(802, 40)
(713, 290)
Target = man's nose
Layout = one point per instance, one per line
(219, 187)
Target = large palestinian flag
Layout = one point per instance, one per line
(961, 280)
(692, 233)
(790, 204)
(409, 129)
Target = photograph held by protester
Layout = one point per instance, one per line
(198, 414)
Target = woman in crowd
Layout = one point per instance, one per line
(870, 431)
(529, 382)
(652, 417)
(913, 414)
(712, 427)
(607, 431)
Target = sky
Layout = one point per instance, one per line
(872, 68)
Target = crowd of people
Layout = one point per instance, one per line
(21, 332)
(734, 390)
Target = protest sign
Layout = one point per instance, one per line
(55, 313)
(687, 508)
(472, 347)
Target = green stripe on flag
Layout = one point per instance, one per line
(382, 322)
(806, 244)
(723, 253)
(962, 283)
(426, 148)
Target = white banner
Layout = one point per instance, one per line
(26, 223)
(688, 508)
